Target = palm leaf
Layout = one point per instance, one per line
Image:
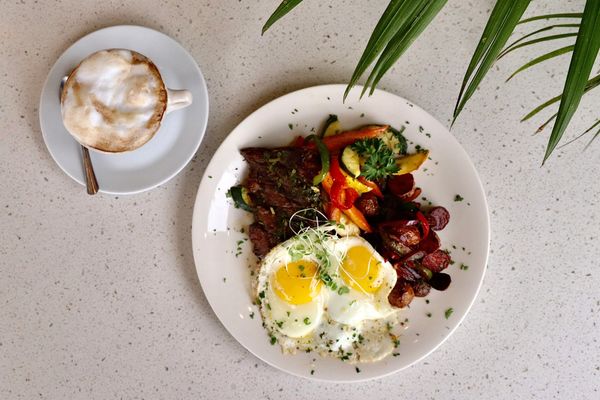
(547, 28)
(586, 49)
(595, 124)
(542, 58)
(396, 16)
(402, 41)
(501, 24)
(285, 7)
(510, 49)
(591, 140)
(591, 84)
(551, 16)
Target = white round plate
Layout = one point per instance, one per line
(218, 225)
(168, 151)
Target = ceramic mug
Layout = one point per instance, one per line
(115, 100)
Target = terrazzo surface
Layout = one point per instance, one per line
(99, 297)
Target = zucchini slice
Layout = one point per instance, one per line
(332, 126)
(351, 161)
(240, 197)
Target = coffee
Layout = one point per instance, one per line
(114, 101)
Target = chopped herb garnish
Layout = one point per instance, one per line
(306, 321)
(279, 324)
(379, 158)
(458, 197)
(357, 370)
(251, 315)
(343, 290)
(429, 315)
(273, 340)
(312, 371)
(291, 126)
(448, 312)
(464, 267)
(261, 295)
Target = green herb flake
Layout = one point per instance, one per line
(464, 267)
(273, 340)
(306, 321)
(291, 126)
(251, 315)
(357, 370)
(448, 312)
(343, 290)
(458, 197)
(428, 315)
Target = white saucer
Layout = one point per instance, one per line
(174, 144)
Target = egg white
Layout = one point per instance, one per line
(348, 324)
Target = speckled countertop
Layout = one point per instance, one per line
(99, 296)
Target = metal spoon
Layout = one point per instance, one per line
(90, 177)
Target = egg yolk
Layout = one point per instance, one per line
(360, 270)
(297, 282)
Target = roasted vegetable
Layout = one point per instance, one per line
(240, 198)
(351, 161)
(411, 162)
(324, 154)
(332, 126)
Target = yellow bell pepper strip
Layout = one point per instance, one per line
(411, 162)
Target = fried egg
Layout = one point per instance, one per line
(318, 292)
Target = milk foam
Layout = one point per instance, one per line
(113, 102)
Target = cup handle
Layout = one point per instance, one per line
(177, 99)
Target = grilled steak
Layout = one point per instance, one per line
(279, 184)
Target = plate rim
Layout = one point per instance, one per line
(487, 221)
(202, 128)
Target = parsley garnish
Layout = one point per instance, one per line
(379, 158)
(343, 290)
(448, 312)
(458, 197)
(273, 340)
(306, 321)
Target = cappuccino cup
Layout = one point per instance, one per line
(115, 100)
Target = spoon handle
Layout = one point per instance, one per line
(90, 176)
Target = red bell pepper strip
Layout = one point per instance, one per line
(416, 192)
(297, 142)
(353, 213)
(335, 170)
(341, 140)
(375, 189)
(424, 224)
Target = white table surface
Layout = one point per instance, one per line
(99, 297)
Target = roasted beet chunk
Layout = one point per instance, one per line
(430, 244)
(436, 261)
(440, 281)
(368, 204)
(401, 295)
(438, 218)
(401, 186)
